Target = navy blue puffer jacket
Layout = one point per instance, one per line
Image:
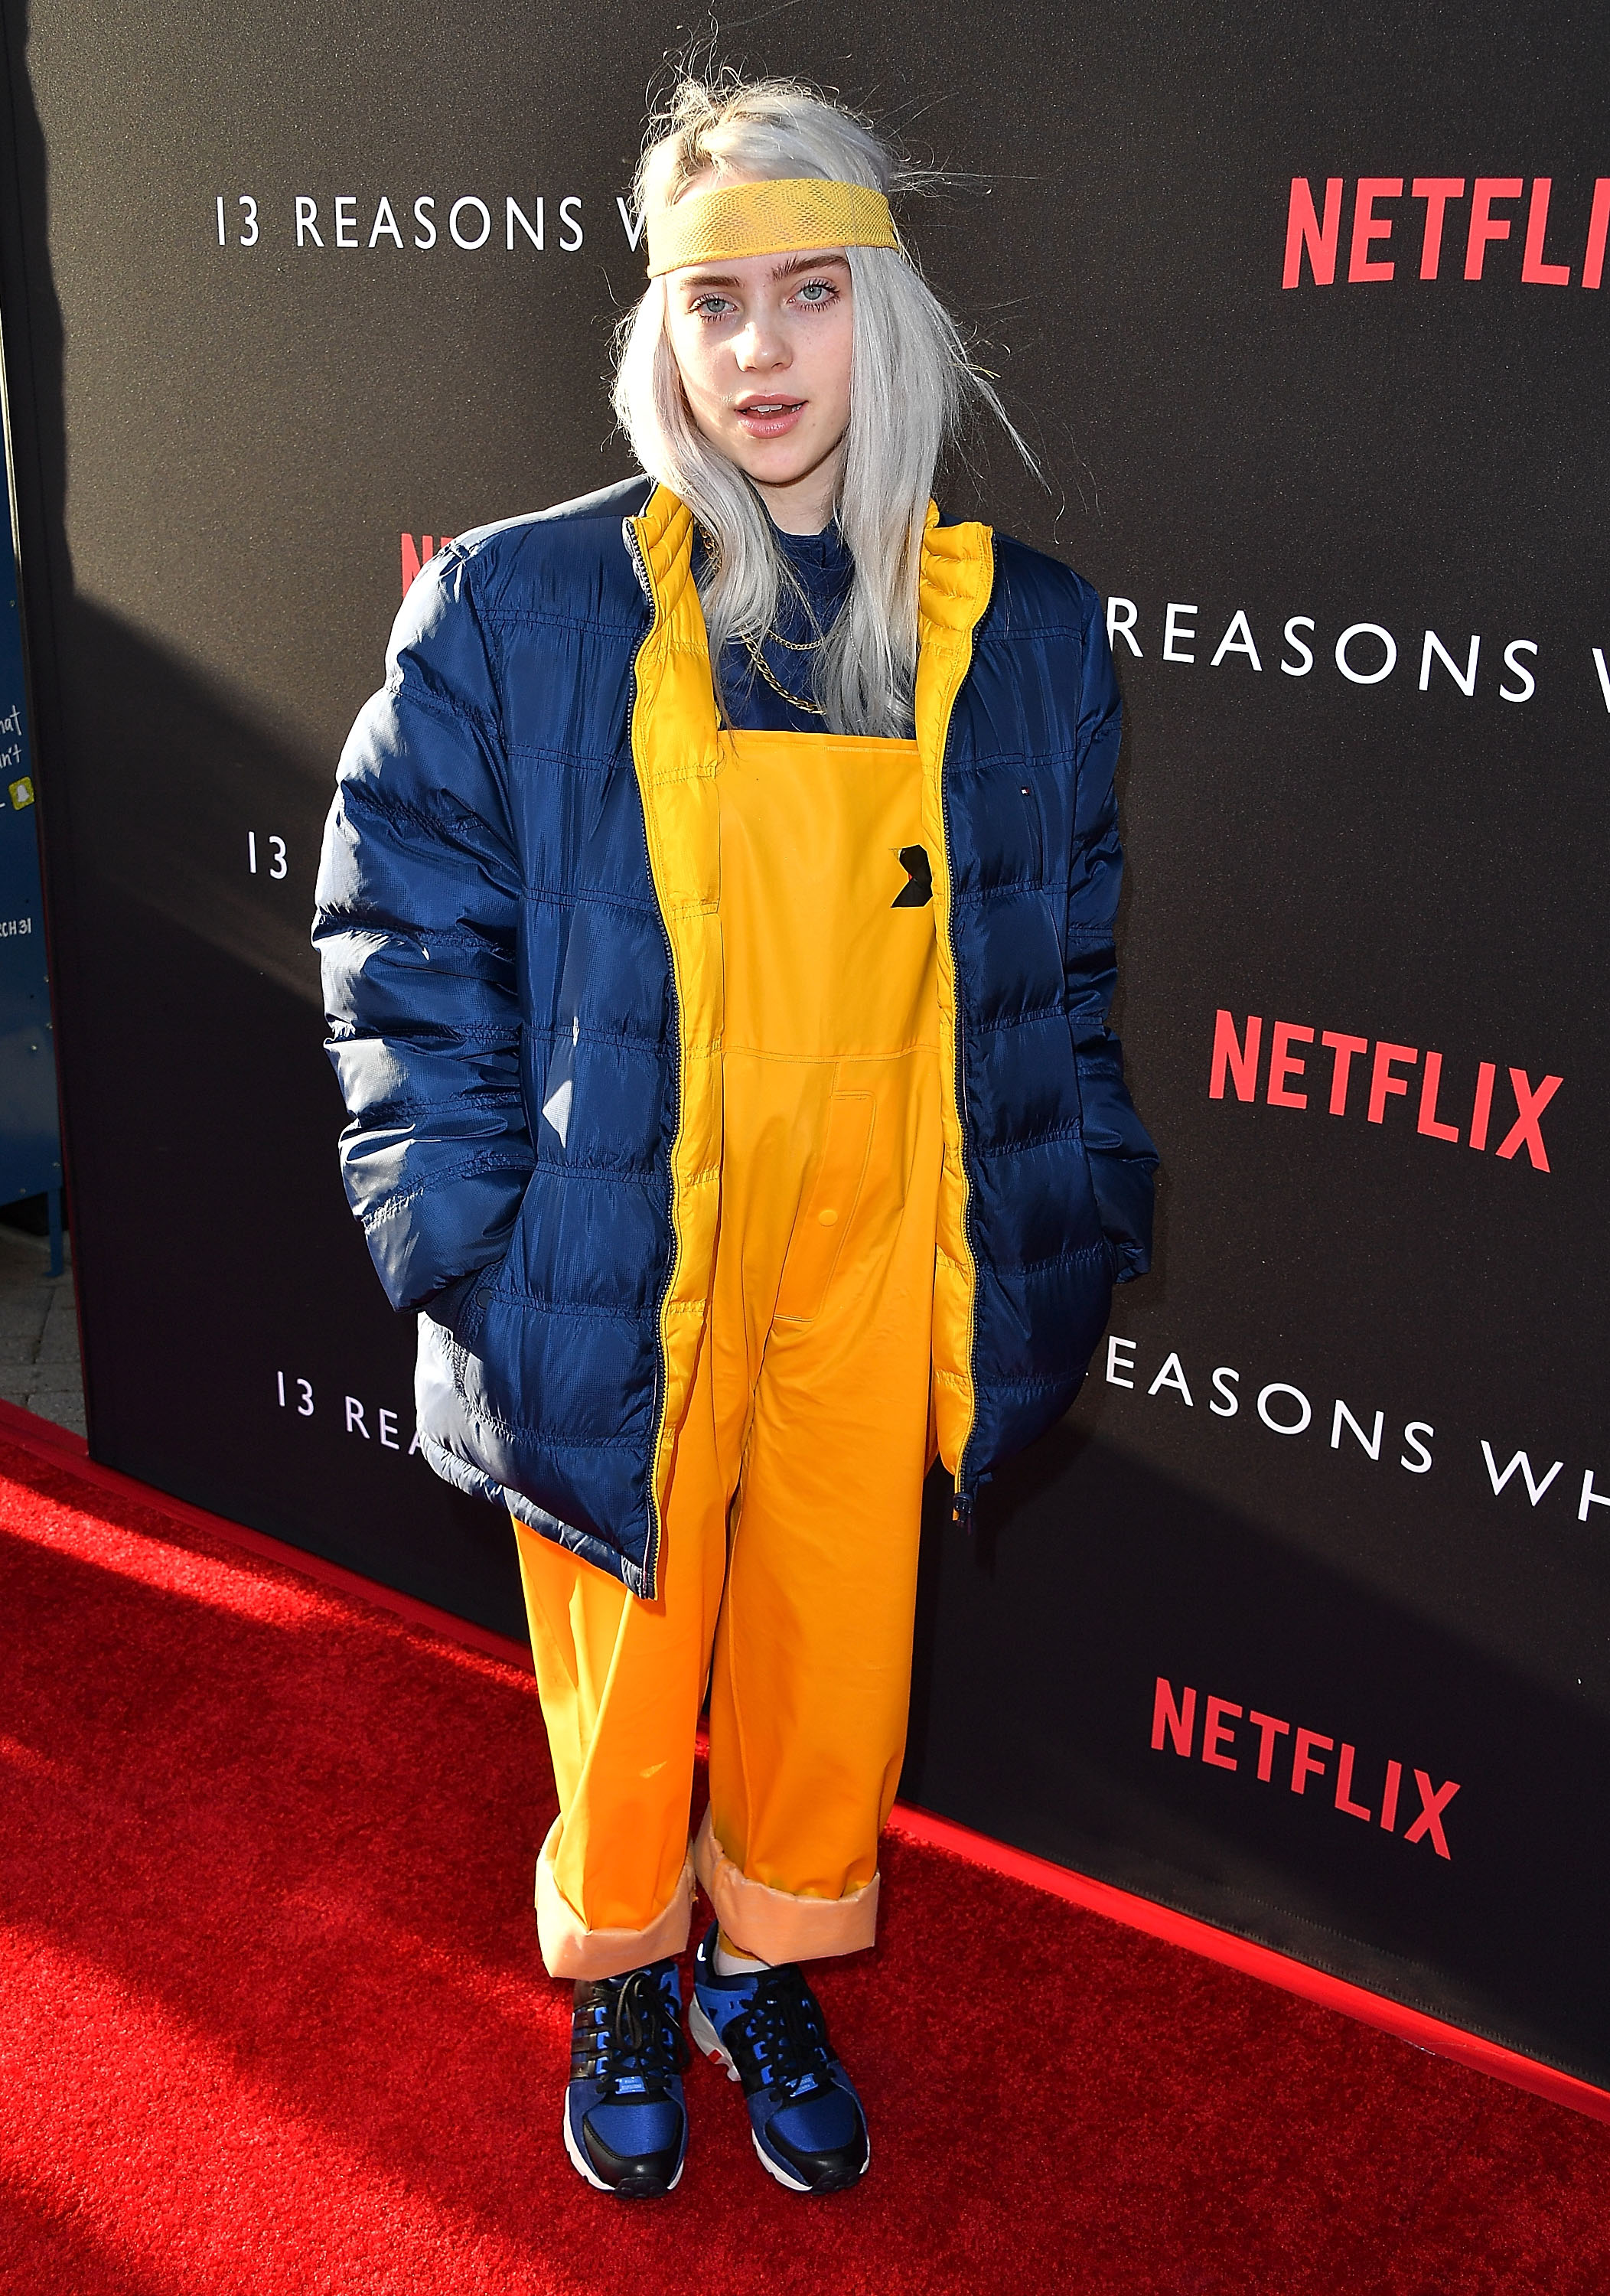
(518, 920)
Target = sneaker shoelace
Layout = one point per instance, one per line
(628, 2034)
(781, 2040)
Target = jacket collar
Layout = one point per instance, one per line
(953, 585)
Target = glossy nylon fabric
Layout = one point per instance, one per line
(794, 1505)
(520, 841)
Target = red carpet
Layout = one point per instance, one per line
(273, 2019)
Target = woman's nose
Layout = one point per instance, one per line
(761, 344)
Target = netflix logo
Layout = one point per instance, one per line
(1353, 1075)
(1409, 227)
(418, 555)
(1295, 1759)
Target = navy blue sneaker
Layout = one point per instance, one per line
(626, 2123)
(768, 2030)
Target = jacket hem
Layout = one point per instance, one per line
(479, 1485)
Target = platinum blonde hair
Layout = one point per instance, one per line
(911, 382)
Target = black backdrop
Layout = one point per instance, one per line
(220, 450)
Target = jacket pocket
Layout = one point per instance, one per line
(829, 1206)
(460, 1306)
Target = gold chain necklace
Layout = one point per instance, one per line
(793, 646)
(794, 700)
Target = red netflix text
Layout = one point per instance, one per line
(1298, 1758)
(417, 556)
(1351, 1073)
(1420, 226)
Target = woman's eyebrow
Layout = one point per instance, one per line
(788, 268)
(817, 262)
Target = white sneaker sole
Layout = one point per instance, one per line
(583, 2167)
(707, 2039)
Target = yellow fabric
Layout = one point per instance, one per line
(958, 575)
(786, 215)
(674, 748)
(792, 1514)
(677, 747)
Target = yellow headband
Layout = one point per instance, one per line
(782, 217)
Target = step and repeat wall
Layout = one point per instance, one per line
(1302, 1621)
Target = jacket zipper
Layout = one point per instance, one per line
(966, 1494)
(661, 1379)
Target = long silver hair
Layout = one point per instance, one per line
(911, 382)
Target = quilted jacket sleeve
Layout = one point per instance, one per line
(418, 902)
(1121, 1157)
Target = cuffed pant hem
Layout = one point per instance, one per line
(772, 1924)
(571, 1949)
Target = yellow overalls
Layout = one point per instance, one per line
(789, 1558)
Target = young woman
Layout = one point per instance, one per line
(716, 916)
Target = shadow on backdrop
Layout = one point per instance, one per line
(218, 1265)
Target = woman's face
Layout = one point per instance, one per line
(763, 344)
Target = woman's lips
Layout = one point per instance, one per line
(769, 418)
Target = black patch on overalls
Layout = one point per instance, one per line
(918, 891)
